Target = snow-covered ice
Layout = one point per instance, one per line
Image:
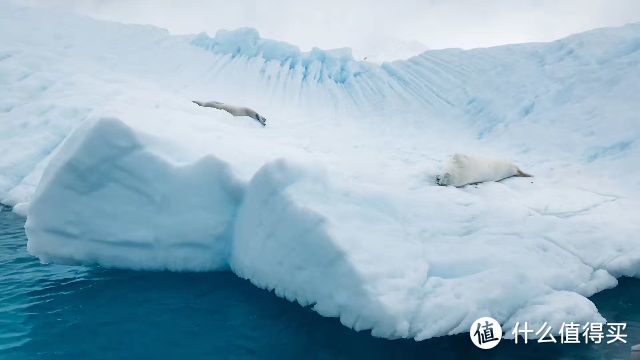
(125, 206)
(333, 204)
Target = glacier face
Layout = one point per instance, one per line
(333, 204)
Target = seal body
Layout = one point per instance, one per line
(234, 110)
(465, 169)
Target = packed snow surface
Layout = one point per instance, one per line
(333, 204)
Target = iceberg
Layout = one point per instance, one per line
(334, 204)
(120, 205)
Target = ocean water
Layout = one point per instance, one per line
(72, 312)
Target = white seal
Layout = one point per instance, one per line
(234, 110)
(465, 169)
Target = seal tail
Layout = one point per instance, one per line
(520, 173)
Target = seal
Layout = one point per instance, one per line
(465, 169)
(234, 110)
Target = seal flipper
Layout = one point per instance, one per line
(520, 173)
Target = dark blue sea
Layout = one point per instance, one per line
(72, 312)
